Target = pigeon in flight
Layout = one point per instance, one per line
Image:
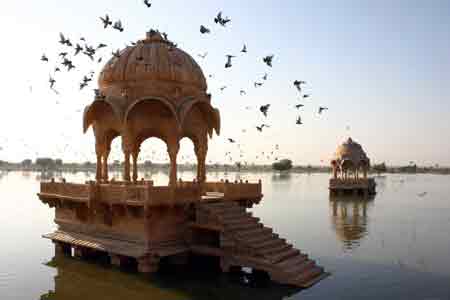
(52, 82)
(106, 21)
(204, 30)
(264, 109)
(306, 96)
(220, 20)
(242, 92)
(265, 76)
(44, 58)
(222, 88)
(244, 49)
(260, 128)
(118, 26)
(64, 41)
(322, 108)
(299, 121)
(147, 3)
(231, 141)
(228, 63)
(298, 84)
(257, 84)
(268, 60)
(298, 106)
(78, 49)
(203, 55)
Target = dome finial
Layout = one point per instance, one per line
(154, 35)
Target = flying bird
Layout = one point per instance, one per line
(220, 20)
(106, 21)
(298, 106)
(264, 109)
(265, 76)
(118, 26)
(64, 41)
(268, 60)
(260, 128)
(78, 49)
(242, 92)
(299, 121)
(147, 3)
(63, 54)
(298, 84)
(306, 96)
(257, 84)
(231, 141)
(244, 49)
(222, 88)
(101, 45)
(204, 30)
(322, 108)
(52, 81)
(228, 63)
(44, 58)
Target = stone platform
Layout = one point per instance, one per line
(146, 223)
(354, 187)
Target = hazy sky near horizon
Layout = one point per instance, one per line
(382, 68)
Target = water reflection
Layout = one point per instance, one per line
(88, 281)
(281, 177)
(349, 219)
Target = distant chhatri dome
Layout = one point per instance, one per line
(350, 157)
(151, 89)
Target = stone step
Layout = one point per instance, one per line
(260, 237)
(237, 220)
(232, 216)
(308, 275)
(293, 261)
(282, 255)
(250, 232)
(226, 210)
(269, 242)
(274, 249)
(298, 269)
(243, 226)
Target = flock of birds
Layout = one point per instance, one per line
(65, 62)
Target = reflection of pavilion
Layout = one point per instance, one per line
(349, 219)
(76, 280)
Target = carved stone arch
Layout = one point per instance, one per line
(103, 110)
(211, 116)
(150, 100)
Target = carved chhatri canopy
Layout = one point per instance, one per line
(350, 157)
(152, 89)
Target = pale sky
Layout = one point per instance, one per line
(382, 68)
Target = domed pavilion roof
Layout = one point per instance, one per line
(350, 151)
(154, 58)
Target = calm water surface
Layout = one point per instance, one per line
(395, 246)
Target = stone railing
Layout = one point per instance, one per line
(364, 182)
(73, 190)
(148, 194)
(234, 190)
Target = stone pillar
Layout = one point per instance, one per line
(173, 149)
(126, 168)
(62, 249)
(78, 252)
(148, 264)
(115, 259)
(134, 156)
(98, 173)
(201, 149)
(105, 165)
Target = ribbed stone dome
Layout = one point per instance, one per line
(154, 59)
(350, 151)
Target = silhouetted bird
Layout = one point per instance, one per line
(63, 54)
(204, 30)
(260, 128)
(44, 58)
(306, 96)
(298, 84)
(106, 21)
(242, 92)
(257, 84)
(232, 141)
(118, 26)
(299, 121)
(147, 3)
(203, 55)
(220, 20)
(52, 81)
(57, 70)
(64, 41)
(222, 88)
(321, 109)
(116, 54)
(99, 60)
(244, 49)
(298, 106)
(78, 49)
(268, 60)
(101, 45)
(265, 76)
(228, 63)
(264, 109)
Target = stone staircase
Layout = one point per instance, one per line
(245, 241)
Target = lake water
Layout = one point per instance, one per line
(395, 246)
